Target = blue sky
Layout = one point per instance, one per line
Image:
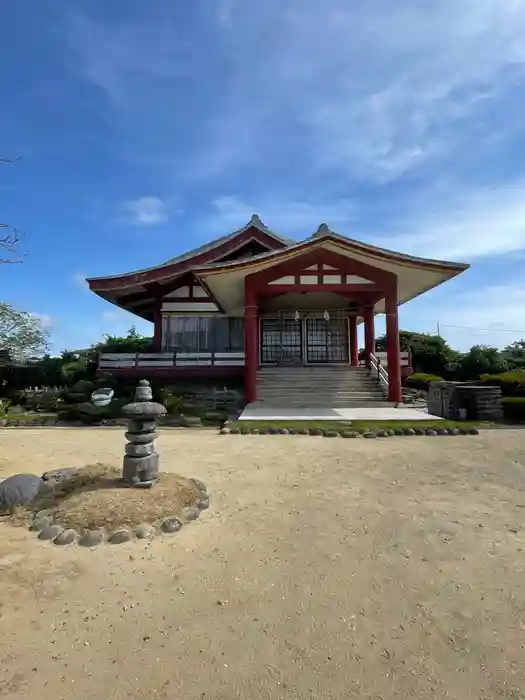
(145, 129)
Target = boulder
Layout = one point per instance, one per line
(19, 490)
(54, 477)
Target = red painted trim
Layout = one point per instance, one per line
(278, 289)
(383, 279)
(251, 321)
(157, 329)
(370, 334)
(165, 271)
(356, 246)
(393, 349)
(189, 372)
(354, 346)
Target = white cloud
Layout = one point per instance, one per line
(146, 211)
(288, 217)
(462, 225)
(79, 280)
(368, 89)
(46, 321)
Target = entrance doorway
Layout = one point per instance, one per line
(311, 340)
(326, 341)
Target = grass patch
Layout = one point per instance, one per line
(95, 498)
(27, 416)
(360, 426)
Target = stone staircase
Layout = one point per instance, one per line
(315, 386)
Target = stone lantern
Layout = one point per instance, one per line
(141, 463)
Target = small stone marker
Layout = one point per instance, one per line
(141, 462)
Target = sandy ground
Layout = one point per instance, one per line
(324, 569)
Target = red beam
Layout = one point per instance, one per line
(297, 265)
(278, 289)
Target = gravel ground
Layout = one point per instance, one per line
(323, 569)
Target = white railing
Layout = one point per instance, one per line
(168, 360)
(404, 358)
(377, 368)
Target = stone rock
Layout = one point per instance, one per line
(383, 434)
(171, 525)
(272, 431)
(224, 431)
(204, 502)
(19, 490)
(453, 431)
(463, 431)
(199, 484)
(409, 432)
(330, 433)
(141, 438)
(317, 432)
(139, 450)
(349, 434)
(291, 431)
(473, 431)
(42, 523)
(430, 432)
(369, 434)
(91, 538)
(284, 431)
(58, 476)
(391, 432)
(49, 533)
(119, 536)
(442, 431)
(144, 531)
(190, 514)
(66, 537)
(234, 431)
(303, 431)
(190, 422)
(419, 431)
(399, 431)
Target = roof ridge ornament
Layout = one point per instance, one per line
(323, 230)
(256, 221)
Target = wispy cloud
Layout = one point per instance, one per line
(45, 320)
(288, 216)
(468, 224)
(146, 211)
(79, 280)
(368, 90)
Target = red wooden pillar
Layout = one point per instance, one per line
(370, 333)
(250, 344)
(354, 347)
(392, 347)
(157, 328)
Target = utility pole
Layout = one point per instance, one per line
(438, 330)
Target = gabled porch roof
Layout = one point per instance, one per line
(226, 281)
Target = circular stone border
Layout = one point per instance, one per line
(47, 530)
(349, 433)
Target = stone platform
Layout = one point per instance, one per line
(257, 411)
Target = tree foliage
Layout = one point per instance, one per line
(431, 354)
(21, 334)
(131, 342)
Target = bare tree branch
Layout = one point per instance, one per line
(9, 242)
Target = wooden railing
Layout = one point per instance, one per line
(163, 360)
(377, 369)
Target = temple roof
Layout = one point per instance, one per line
(138, 291)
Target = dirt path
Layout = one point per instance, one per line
(324, 569)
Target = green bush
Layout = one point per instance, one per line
(4, 406)
(174, 404)
(511, 383)
(514, 408)
(89, 414)
(421, 381)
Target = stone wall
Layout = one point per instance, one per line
(481, 402)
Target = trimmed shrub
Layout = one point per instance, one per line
(510, 383)
(514, 408)
(421, 381)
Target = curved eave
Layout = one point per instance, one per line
(415, 275)
(206, 254)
